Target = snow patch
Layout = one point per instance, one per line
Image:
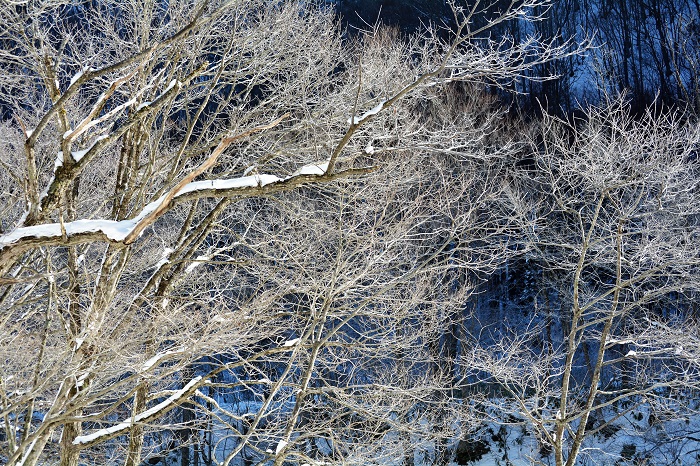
(80, 74)
(197, 262)
(155, 359)
(79, 154)
(114, 230)
(119, 230)
(232, 183)
(81, 380)
(367, 114)
(318, 168)
(280, 446)
(165, 259)
(123, 426)
(171, 85)
(290, 343)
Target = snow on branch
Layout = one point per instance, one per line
(319, 168)
(120, 230)
(280, 446)
(80, 74)
(90, 121)
(357, 120)
(157, 410)
(162, 205)
(158, 357)
(126, 231)
(290, 343)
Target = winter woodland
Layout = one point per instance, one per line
(268, 233)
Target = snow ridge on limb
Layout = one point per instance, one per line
(126, 231)
(65, 175)
(158, 410)
(120, 230)
(166, 200)
(355, 120)
(92, 118)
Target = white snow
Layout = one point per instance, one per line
(84, 125)
(149, 102)
(289, 343)
(123, 426)
(119, 230)
(79, 74)
(81, 380)
(114, 230)
(280, 447)
(165, 259)
(154, 360)
(79, 154)
(198, 261)
(367, 114)
(59, 160)
(26, 455)
(631, 354)
(171, 85)
(232, 183)
(318, 168)
(369, 149)
(612, 341)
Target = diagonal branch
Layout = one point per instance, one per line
(168, 198)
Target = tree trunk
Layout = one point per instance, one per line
(69, 453)
(136, 433)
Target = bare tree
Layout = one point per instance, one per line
(646, 48)
(143, 146)
(612, 221)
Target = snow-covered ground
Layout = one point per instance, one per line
(637, 438)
